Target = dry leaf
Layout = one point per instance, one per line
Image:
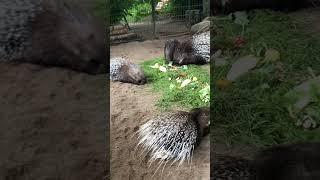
(271, 55)
(223, 84)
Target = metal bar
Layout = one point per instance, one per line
(153, 6)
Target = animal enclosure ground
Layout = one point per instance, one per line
(131, 106)
(253, 111)
(53, 123)
(53, 120)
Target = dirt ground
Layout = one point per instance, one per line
(53, 124)
(131, 106)
(68, 139)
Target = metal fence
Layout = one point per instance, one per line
(174, 22)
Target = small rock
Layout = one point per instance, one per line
(242, 66)
(217, 54)
(207, 19)
(302, 92)
(309, 123)
(200, 27)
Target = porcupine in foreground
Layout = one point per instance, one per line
(174, 135)
(125, 71)
(52, 33)
(299, 161)
(196, 51)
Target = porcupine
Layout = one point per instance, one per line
(196, 51)
(299, 161)
(125, 71)
(174, 135)
(52, 33)
(201, 45)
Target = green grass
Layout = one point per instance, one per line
(171, 93)
(247, 112)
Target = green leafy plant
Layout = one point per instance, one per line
(185, 86)
(254, 111)
(241, 18)
(138, 11)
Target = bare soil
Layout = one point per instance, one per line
(132, 106)
(53, 124)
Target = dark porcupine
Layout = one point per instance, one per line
(181, 53)
(174, 135)
(169, 48)
(185, 54)
(125, 71)
(300, 161)
(196, 51)
(52, 33)
(229, 167)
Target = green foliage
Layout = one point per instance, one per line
(119, 9)
(167, 9)
(184, 3)
(130, 10)
(173, 91)
(178, 7)
(253, 110)
(138, 11)
(241, 18)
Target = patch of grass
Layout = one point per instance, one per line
(166, 83)
(248, 112)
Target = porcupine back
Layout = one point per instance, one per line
(174, 135)
(125, 71)
(201, 45)
(52, 33)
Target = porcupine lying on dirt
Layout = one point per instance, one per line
(300, 161)
(52, 33)
(125, 71)
(196, 51)
(174, 135)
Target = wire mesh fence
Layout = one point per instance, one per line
(167, 19)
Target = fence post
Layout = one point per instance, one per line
(206, 7)
(153, 6)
